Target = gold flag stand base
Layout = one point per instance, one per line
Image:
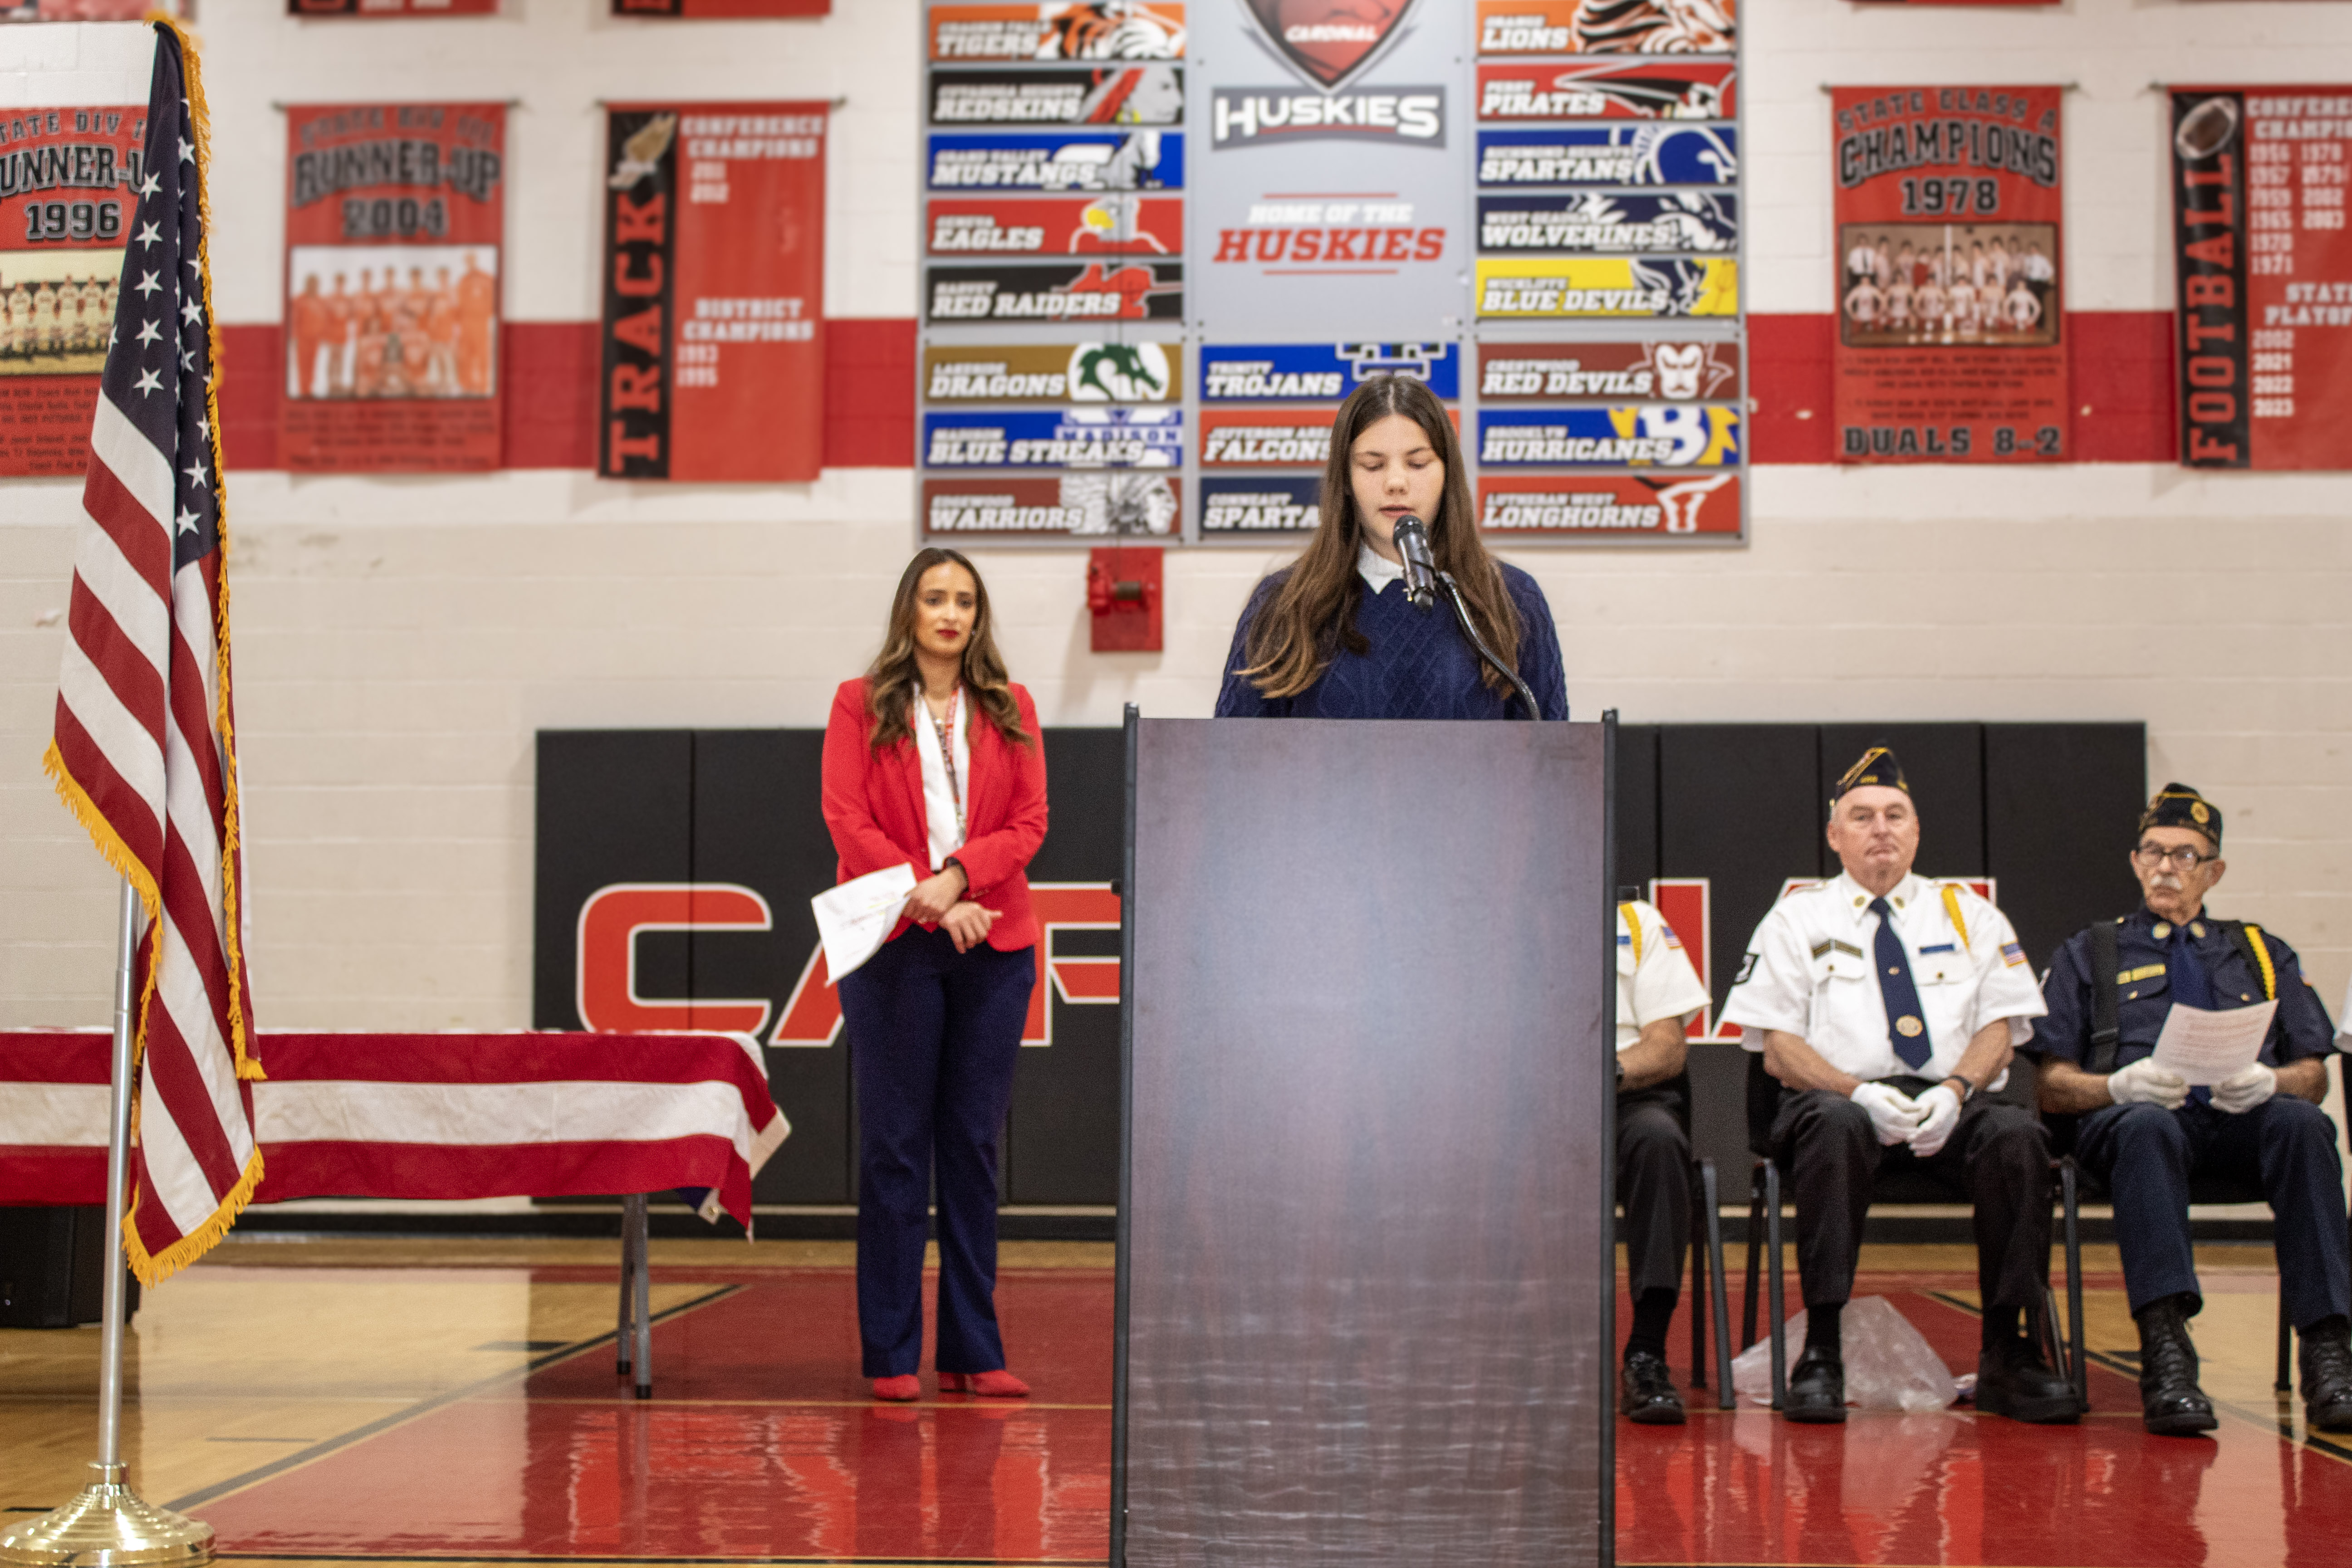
(107, 1526)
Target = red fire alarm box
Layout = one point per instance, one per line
(1123, 592)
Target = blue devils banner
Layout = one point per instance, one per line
(1321, 373)
(1618, 154)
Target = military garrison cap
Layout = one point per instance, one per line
(2180, 806)
(1879, 766)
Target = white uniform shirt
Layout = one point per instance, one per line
(1655, 976)
(1377, 570)
(1810, 971)
(943, 800)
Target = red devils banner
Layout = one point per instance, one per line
(68, 187)
(714, 292)
(1947, 257)
(394, 214)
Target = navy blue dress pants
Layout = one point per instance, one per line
(933, 1038)
(2286, 1146)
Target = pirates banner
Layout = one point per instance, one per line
(1947, 255)
(1605, 88)
(68, 187)
(714, 292)
(2263, 268)
(394, 216)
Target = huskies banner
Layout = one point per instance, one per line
(714, 292)
(395, 216)
(1948, 256)
(2262, 267)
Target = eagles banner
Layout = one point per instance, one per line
(714, 292)
(1947, 254)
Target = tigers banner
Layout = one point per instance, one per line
(1947, 252)
(394, 214)
(714, 292)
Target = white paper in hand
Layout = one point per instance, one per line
(852, 920)
(2206, 1047)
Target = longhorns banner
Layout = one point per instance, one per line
(68, 183)
(714, 292)
(1612, 507)
(1947, 257)
(395, 218)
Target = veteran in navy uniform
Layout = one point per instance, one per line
(1888, 1005)
(2147, 1134)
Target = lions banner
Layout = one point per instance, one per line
(714, 292)
(1947, 254)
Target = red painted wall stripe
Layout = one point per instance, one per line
(2121, 360)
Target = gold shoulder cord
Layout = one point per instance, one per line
(1952, 908)
(1633, 925)
(2262, 958)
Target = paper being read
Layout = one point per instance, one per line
(2207, 1047)
(852, 919)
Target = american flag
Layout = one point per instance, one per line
(143, 748)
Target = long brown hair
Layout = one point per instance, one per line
(1311, 615)
(893, 679)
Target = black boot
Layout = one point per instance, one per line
(2012, 1380)
(1816, 1387)
(2326, 1365)
(2170, 1402)
(1645, 1392)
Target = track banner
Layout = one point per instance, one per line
(69, 181)
(394, 217)
(714, 292)
(1947, 263)
(2262, 270)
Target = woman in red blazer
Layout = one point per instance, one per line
(933, 759)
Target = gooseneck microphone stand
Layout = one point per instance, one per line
(1470, 630)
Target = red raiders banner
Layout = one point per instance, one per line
(714, 292)
(1947, 218)
(715, 9)
(394, 216)
(2264, 276)
(66, 193)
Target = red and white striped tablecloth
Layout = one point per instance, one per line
(429, 1115)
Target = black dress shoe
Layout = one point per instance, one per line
(2012, 1380)
(1645, 1392)
(2327, 1366)
(1816, 1387)
(2170, 1402)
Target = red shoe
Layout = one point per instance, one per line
(899, 1389)
(997, 1384)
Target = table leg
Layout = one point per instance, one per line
(624, 1333)
(643, 1313)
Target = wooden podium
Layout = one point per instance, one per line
(1366, 1267)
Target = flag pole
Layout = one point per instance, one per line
(110, 1525)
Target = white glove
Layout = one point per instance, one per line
(2241, 1092)
(1941, 1106)
(2143, 1083)
(1894, 1114)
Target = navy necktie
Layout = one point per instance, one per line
(1906, 1026)
(2184, 973)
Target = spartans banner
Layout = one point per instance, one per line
(395, 218)
(1947, 249)
(714, 292)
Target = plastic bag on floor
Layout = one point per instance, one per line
(1888, 1363)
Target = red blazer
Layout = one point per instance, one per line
(873, 809)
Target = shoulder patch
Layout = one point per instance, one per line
(1668, 933)
(1747, 967)
(2012, 954)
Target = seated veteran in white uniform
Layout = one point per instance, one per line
(1887, 1005)
(1658, 993)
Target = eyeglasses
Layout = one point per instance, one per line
(2181, 858)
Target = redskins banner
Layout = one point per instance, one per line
(69, 181)
(714, 292)
(1075, 504)
(1076, 95)
(2262, 267)
(395, 219)
(1947, 254)
(1612, 507)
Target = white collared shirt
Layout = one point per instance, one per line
(1810, 971)
(1655, 976)
(1377, 570)
(941, 800)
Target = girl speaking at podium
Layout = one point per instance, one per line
(1338, 632)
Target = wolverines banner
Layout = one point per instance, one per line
(1601, 222)
(395, 219)
(1949, 314)
(714, 292)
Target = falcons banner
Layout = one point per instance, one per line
(394, 214)
(1950, 316)
(714, 292)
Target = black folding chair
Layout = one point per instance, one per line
(1706, 1269)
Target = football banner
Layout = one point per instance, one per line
(1606, 286)
(1612, 507)
(1948, 256)
(1697, 436)
(1108, 224)
(2262, 275)
(1320, 372)
(1605, 88)
(1603, 222)
(714, 292)
(1069, 438)
(1073, 95)
(1642, 371)
(395, 216)
(1622, 26)
(1059, 30)
(1054, 372)
(1077, 505)
(1273, 504)
(1093, 291)
(68, 183)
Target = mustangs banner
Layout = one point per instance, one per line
(1107, 225)
(1610, 221)
(1609, 287)
(1650, 369)
(1611, 506)
(1076, 95)
(1076, 160)
(1303, 372)
(1611, 155)
(395, 218)
(1949, 222)
(1670, 437)
(1606, 89)
(1271, 505)
(1069, 438)
(1078, 505)
(1054, 372)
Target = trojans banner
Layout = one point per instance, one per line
(714, 292)
(394, 214)
(1948, 260)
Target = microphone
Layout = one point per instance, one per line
(1420, 567)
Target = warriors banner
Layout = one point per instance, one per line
(395, 218)
(714, 292)
(1947, 257)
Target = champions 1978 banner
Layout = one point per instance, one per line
(394, 217)
(1948, 236)
(714, 292)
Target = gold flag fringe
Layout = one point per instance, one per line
(154, 1268)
